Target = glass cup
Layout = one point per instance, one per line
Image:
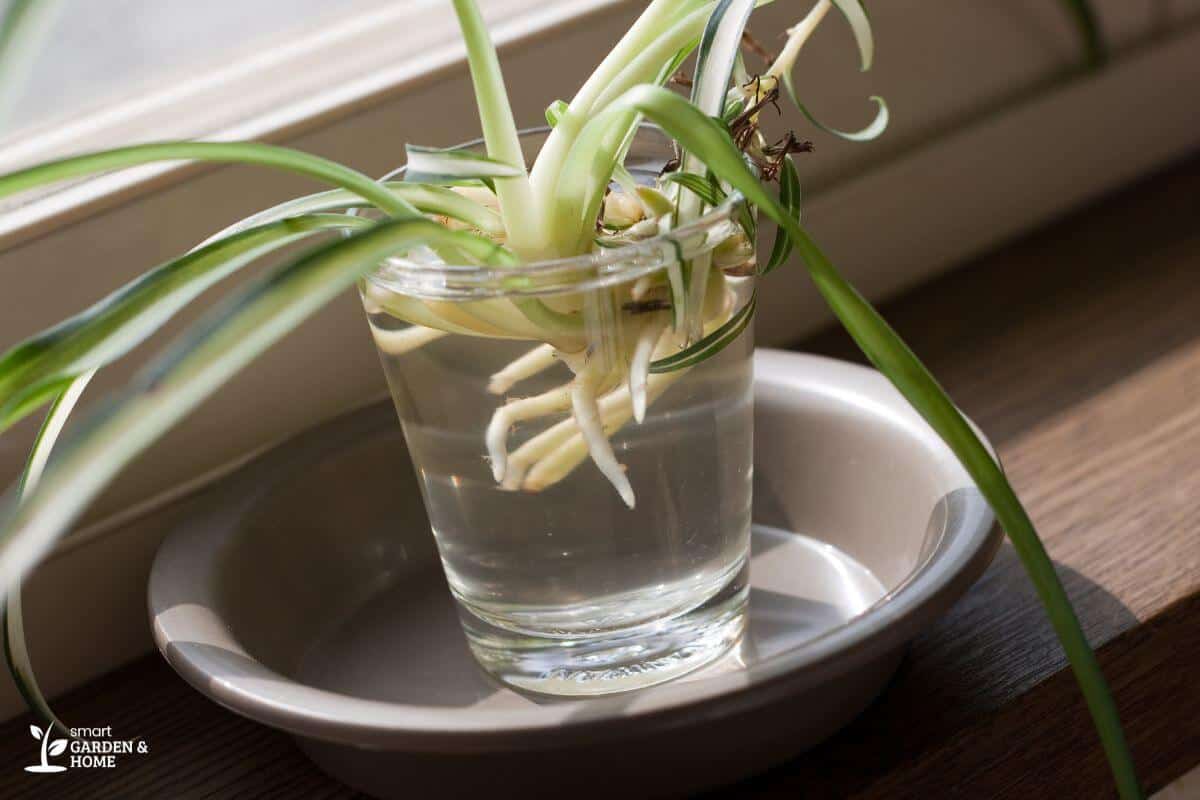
(577, 574)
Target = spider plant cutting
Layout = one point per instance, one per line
(523, 252)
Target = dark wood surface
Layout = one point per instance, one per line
(1078, 350)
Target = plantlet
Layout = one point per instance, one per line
(493, 209)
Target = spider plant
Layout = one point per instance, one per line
(491, 209)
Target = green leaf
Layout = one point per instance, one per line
(789, 199)
(661, 57)
(711, 192)
(704, 136)
(672, 66)
(654, 201)
(555, 111)
(715, 60)
(16, 650)
(741, 75)
(31, 401)
(207, 355)
(426, 198)
(35, 369)
(746, 218)
(711, 344)
(872, 131)
(434, 165)
(733, 108)
(584, 170)
(220, 152)
(525, 229)
(624, 178)
(718, 52)
(860, 26)
(708, 192)
(681, 272)
(649, 26)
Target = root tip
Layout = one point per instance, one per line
(628, 496)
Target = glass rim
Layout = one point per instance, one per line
(584, 272)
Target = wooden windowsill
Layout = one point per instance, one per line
(1078, 350)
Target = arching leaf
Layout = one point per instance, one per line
(33, 370)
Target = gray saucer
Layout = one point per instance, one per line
(306, 593)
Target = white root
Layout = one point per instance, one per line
(587, 414)
(554, 437)
(536, 360)
(584, 390)
(521, 459)
(639, 365)
(552, 455)
(603, 396)
(399, 342)
(509, 414)
(568, 449)
(612, 383)
(546, 442)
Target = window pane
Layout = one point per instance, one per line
(85, 57)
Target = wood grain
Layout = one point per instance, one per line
(1078, 350)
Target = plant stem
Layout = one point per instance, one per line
(643, 68)
(640, 35)
(522, 216)
(797, 36)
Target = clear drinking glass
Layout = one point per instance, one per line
(562, 588)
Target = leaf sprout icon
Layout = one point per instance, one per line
(49, 749)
